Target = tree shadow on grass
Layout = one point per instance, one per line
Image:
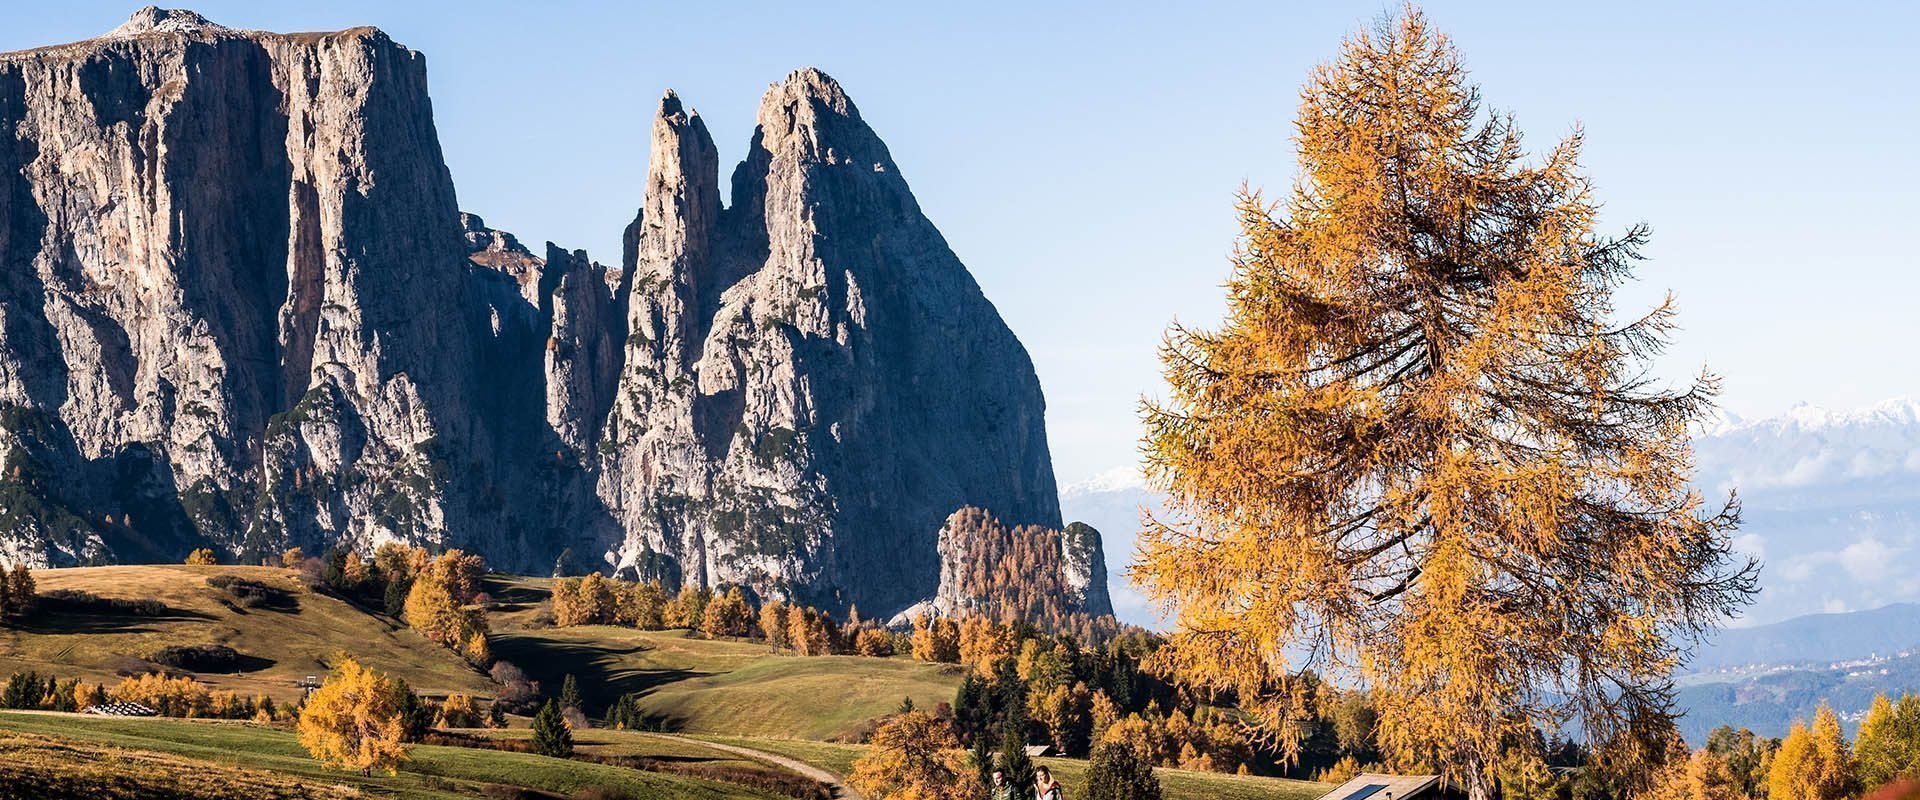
(598, 669)
(87, 622)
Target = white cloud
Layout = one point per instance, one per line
(1752, 544)
(1868, 560)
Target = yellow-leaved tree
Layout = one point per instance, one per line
(433, 608)
(1420, 454)
(354, 721)
(915, 756)
(1889, 743)
(1813, 763)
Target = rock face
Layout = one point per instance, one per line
(239, 308)
(992, 569)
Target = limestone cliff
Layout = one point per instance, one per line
(240, 308)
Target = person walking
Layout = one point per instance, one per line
(1045, 787)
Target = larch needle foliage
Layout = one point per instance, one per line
(1420, 454)
(915, 756)
(354, 721)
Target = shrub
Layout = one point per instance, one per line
(199, 658)
(254, 594)
(203, 556)
(1116, 773)
(75, 601)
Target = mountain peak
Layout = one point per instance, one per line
(154, 19)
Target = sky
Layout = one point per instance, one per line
(1082, 158)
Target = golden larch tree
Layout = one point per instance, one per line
(1420, 454)
(915, 756)
(1813, 763)
(354, 721)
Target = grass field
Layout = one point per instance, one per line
(290, 644)
(1177, 784)
(235, 755)
(698, 685)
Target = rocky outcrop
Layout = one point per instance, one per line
(992, 569)
(239, 308)
(813, 381)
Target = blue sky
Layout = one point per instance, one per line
(1081, 157)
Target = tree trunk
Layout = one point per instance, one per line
(1475, 775)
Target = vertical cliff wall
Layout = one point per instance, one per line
(240, 308)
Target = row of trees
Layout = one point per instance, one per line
(1814, 762)
(169, 696)
(726, 613)
(1023, 686)
(916, 754)
(17, 592)
(361, 719)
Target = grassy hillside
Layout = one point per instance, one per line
(1176, 784)
(699, 685)
(234, 755)
(284, 645)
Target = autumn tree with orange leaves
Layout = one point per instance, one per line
(1421, 455)
(354, 721)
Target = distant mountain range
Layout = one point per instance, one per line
(1767, 676)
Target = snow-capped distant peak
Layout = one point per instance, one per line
(1899, 411)
(1118, 479)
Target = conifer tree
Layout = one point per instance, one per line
(1889, 743)
(982, 760)
(913, 756)
(1420, 453)
(1117, 773)
(551, 737)
(355, 721)
(1814, 763)
(570, 693)
(1014, 762)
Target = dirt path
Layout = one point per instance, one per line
(840, 789)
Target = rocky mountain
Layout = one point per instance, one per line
(1030, 572)
(1830, 499)
(240, 308)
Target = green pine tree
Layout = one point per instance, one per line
(983, 761)
(416, 716)
(1117, 773)
(395, 600)
(570, 694)
(550, 735)
(1014, 761)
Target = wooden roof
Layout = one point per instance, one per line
(1378, 786)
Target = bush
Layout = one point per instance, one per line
(75, 601)
(254, 594)
(1117, 773)
(199, 658)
